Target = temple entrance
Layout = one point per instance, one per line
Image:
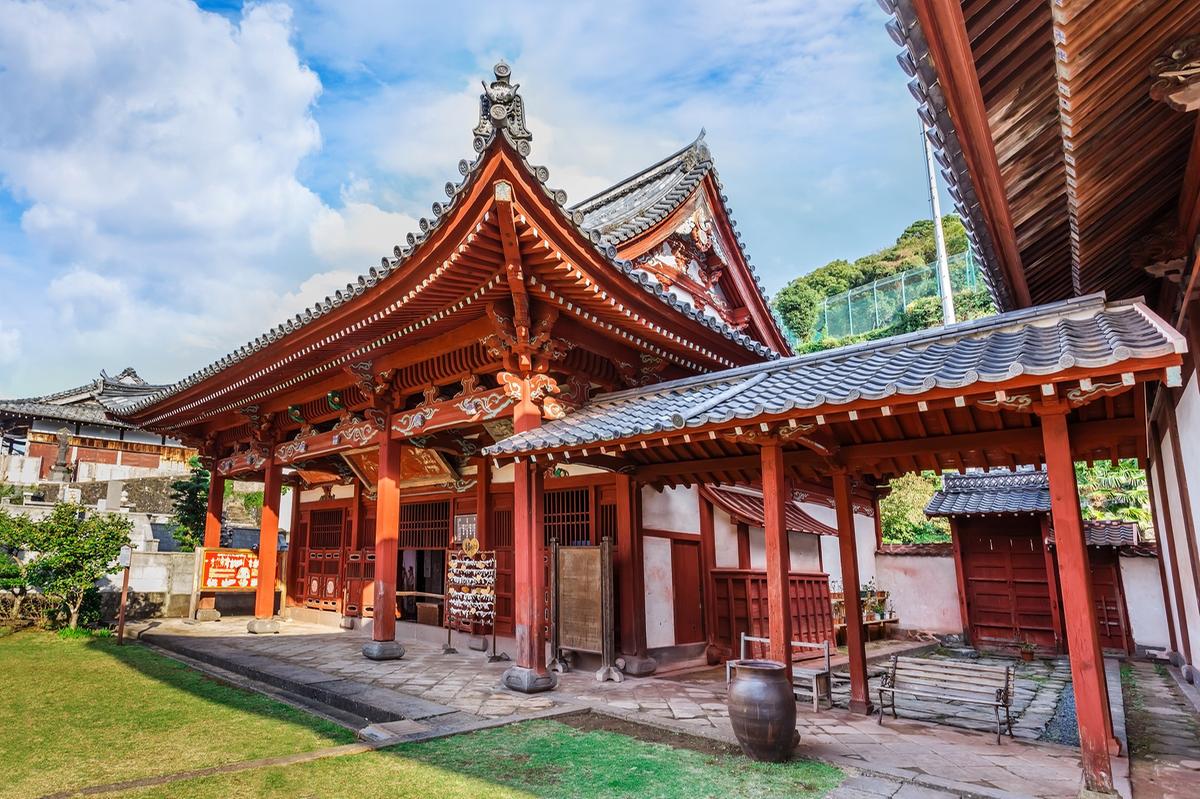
(425, 532)
(320, 543)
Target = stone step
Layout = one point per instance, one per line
(363, 700)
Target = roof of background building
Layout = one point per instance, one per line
(1043, 341)
(745, 504)
(991, 493)
(86, 404)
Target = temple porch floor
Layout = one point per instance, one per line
(442, 693)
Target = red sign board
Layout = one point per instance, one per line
(228, 570)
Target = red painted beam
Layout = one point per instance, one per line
(779, 611)
(1087, 663)
(860, 698)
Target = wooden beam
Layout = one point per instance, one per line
(387, 549)
(779, 607)
(1087, 662)
(860, 697)
(946, 32)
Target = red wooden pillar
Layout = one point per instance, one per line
(268, 550)
(708, 545)
(631, 591)
(860, 699)
(206, 607)
(1060, 645)
(960, 577)
(1087, 665)
(529, 674)
(383, 644)
(779, 606)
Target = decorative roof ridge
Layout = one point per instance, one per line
(502, 111)
(929, 336)
(626, 185)
(972, 482)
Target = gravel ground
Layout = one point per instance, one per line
(1062, 727)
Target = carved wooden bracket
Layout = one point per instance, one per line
(1176, 76)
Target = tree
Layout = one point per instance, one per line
(75, 550)
(902, 511)
(1114, 492)
(190, 498)
(16, 536)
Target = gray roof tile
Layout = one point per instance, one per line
(1084, 331)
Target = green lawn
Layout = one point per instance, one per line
(537, 758)
(83, 712)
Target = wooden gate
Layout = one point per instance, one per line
(740, 597)
(327, 533)
(1112, 618)
(1007, 590)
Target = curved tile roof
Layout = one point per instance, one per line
(1085, 331)
(87, 403)
(994, 492)
(746, 505)
(510, 124)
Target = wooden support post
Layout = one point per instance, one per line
(860, 698)
(383, 644)
(529, 674)
(779, 605)
(631, 591)
(206, 607)
(1160, 522)
(483, 504)
(268, 550)
(1060, 644)
(961, 578)
(708, 549)
(1087, 664)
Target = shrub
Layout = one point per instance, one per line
(75, 550)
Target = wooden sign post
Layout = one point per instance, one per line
(224, 570)
(123, 560)
(582, 606)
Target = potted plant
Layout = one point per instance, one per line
(1027, 648)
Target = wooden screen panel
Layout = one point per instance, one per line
(323, 573)
(425, 525)
(1111, 621)
(298, 558)
(568, 517)
(740, 605)
(501, 531)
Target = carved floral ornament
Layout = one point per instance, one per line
(1176, 76)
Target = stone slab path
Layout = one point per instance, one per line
(901, 755)
(1164, 733)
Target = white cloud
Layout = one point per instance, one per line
(10, 344)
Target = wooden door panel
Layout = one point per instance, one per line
(686, 577)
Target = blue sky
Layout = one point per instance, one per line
(179, 177)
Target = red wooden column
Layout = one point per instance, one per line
(860, 698)
(206, 608)
(383, 644)
(708, 546)
(631, 591)
(529, 674)
(779, 606)
(268, 550)
(1087, 665)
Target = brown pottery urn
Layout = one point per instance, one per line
(762, 709)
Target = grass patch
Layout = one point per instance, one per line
(83, 711)
(1137, 720)
(531, 759)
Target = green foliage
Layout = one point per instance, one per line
(74, 551)
(798, 302)
(902, 511)
(1114, 492)
(14, 494)
(190, 499)
(16, 535)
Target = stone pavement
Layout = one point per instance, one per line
(1164, 733)
(901, 755)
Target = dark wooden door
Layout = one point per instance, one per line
(1112, 622)
(686, 579)
(324, 558)
(1008, 593)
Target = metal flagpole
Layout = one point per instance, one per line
(943, 268)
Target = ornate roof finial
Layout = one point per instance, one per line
(501, 108)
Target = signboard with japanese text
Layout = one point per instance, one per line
(228, 569)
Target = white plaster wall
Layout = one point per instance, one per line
(156, 572)
(660, 591)
(864, 537)
(1187, 415)
(1144, 599)
(924, 591)
(804, 549)
(20, 469)
(673, 509)
(316, 494)
(1164, 552)
(1180, 554)
(725, 539)
(505, 473)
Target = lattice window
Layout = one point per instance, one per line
(425, 525)
(606, 522)
(568, 517)
(326, 529)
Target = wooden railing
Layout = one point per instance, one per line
(740, 599)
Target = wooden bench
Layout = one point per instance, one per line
(817, 677)
(949, 681)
